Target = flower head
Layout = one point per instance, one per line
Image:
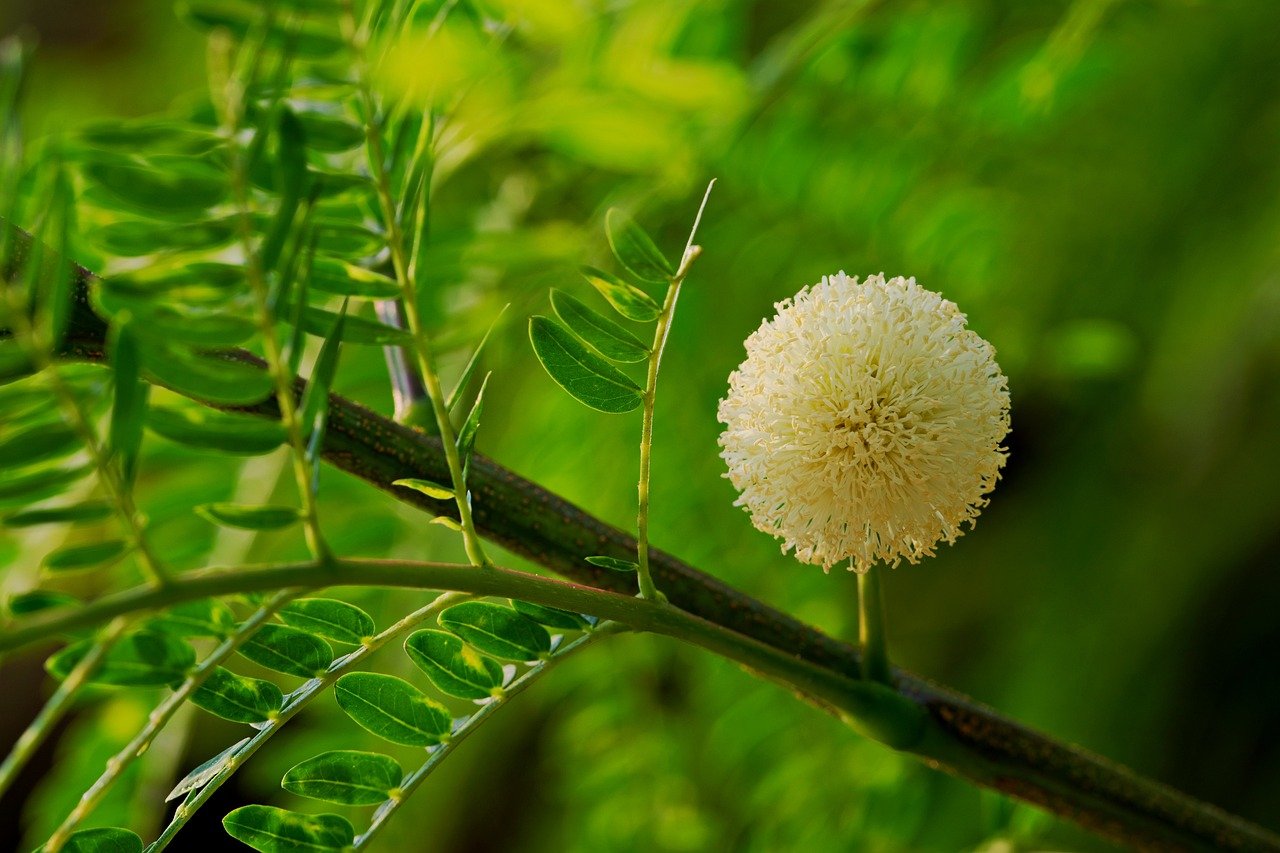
(865, 424)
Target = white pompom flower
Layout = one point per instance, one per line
(866, 423)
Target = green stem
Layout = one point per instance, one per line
(690, 254)
(58, 705)
(161, 715)
(409, 297)
(871, 630)
(439, 753)
(294, 703)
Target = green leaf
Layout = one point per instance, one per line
(141, 659)
(75, 557)
(129, 404)
(206, 430)
(346, 777)
(36, 444)
(163, 186)
(470, 427)
(272, 830)
(329, 275)
(330, 133)
(634, 249)
(428, 488)
(103, 840)
(290, 184)
(71, 514)
(206, 617)
(329, 618)
(315, 400)
(392, 708)
(238, 698)
(245, 517)
(552, 617)
(23, 489)
(158, 134)
(214, 379)
(586, 376)
(356, 330)
(613, 564)
(205, 771)
(312, 41)
(627, 299)
(283, 649)
(135, 238)
(497, 630)
(597, 331)
(37, 600)
(454, 667)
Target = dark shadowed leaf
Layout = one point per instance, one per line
(36, 444)
(497, 630)
(329, 618)
(634, 249)
(346, 777)
(75, 557)
(71, 514)
(238, 698)
(26, 488)
(208, 430)
(627, 299)
(141, 659)
(245, 517)
(211, 378)
(27, 603)
(392, 708)
(283, 649)
(103, 840)
(356, 330)
(597, 331)
(272, 830)
(160, 186)
(585, 375)
(129, 403)
(454, 667)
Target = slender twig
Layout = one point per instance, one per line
(690, 254)
(58, 705)
(464, 729)
(161, 715)
(294, 703)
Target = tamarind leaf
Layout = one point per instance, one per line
(597, 331)
(245, 517)
(613, 564)
(107, 839)
(497, 630)
(392, 708)
(208, 430)
(453, 667)
(206, 617)
(627, 299)
(237, 697)
(37, 443)
(76, 557)
(344, 776)
(281, 648)
(635, 249)
(205, 771)
(587, 377)
(551, 617)
(271, 830)
(329, 618)
(427, 487)
(141, 659)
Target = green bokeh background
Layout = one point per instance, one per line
(1096, 183)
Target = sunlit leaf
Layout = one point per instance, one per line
(288, 650)
(635, 249)
(346, 777)
(238, 698)
(453, 667)
(329, 275)
(597, 331)
(497, 630)
(627, 299)
(426, 487)
(329, 618)
(585, 375)
(392, 708)
(271, 830)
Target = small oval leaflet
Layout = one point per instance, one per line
(587, 377)
(552, 617)
(283, 649)
(453, 667)
(141, 659)
(209, 378)
(103, 840)
(271, 830)
(635, 249)
(597, 331)
(392, 708)
(497, 630)
(76, 557)
(329, 618)
(216, 431)
(237, 697)
(70, 514)
(245, 517)
(627, 299)
(344, 776)
(427, 487)
(614, 564)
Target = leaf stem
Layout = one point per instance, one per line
(294, 703)
(871, 629)
(644, 576)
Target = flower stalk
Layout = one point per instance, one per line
(871, 629)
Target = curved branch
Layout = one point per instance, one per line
(962, 737)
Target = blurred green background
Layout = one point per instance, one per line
(1096, 183)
